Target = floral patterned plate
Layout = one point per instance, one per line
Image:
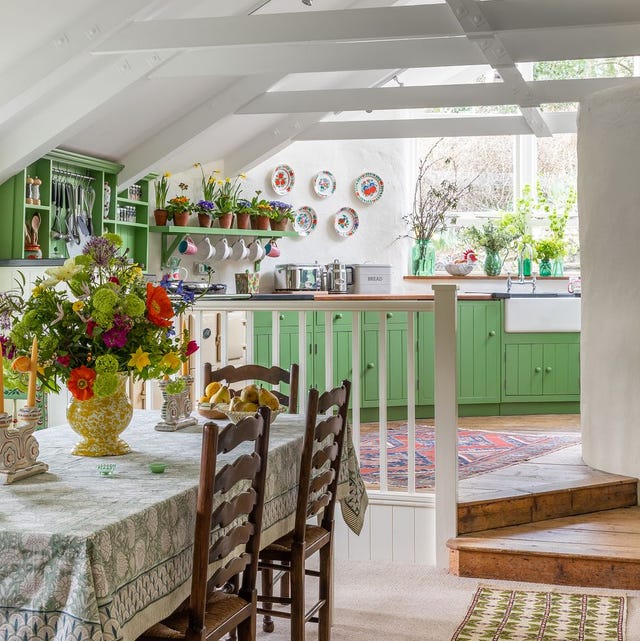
(305, 221)
(369, 187)
(346, 222)
(324, 184)
(282, 179)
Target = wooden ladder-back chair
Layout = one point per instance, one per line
(319, 471)
(273, 375)
(227, 601)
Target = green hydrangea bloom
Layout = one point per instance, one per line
(133, 306)
(105, 384)
(103, 319)
(105, 300)
(114, 238)
(106, 364)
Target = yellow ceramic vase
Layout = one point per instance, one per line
(100, 421)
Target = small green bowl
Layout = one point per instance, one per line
(157, 468)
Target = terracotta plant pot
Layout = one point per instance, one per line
(243, 221)
(226, 220)
(204, 220)
(279, 225)
(260, 223)
(181, 219)
(161, 217)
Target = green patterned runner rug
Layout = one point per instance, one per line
(522, 615)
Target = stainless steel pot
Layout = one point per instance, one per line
(292, 277)
(338, 277)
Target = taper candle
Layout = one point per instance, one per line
(1, 378)
(185, 364)
(33, 374)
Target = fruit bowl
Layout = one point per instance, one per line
(236, 415)
(459, 269)
(210, 411)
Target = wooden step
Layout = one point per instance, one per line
(610, 492)
(600, 549)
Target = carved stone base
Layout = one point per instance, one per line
(19, 449)
(176, 408)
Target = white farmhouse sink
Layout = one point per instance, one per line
(542, 314)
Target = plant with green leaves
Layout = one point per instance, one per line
(161, 188)
(492, 236)
(548, 249)
(208, 182)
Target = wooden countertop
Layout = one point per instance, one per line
(461, 296)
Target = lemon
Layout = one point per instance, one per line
(212, 388)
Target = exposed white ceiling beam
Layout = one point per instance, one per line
(473, 20)
(349, 24)
(56, 64)
(522, 46)
(436, 127)
(437, 96)
(41, 130)
(275, 138)
(342, 56)
(179, 133)
(362, 24)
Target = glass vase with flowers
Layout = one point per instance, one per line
(96, 321)
(432, 204)
(496, 239)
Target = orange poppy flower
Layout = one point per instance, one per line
(80, 382)
(159, 307)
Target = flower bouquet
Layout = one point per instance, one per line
(95, 321)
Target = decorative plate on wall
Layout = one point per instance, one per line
(282, 179)
(304, 221)
(346, 222)
(369, 187)
(324, 184)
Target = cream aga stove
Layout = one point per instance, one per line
(215, 336)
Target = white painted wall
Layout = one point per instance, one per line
(376, 240)
(378, 237)
(609, 198)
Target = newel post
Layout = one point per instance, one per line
(446, 419)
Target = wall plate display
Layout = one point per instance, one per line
(282, 179)
(369, 187)
(324, 184)
(346, 222)
(305, 221)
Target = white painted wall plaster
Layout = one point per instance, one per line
(377, 239)
(609, 202)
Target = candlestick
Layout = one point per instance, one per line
(33, 373)
(1, 379)
(185, 364)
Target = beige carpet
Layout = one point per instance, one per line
(385, 602)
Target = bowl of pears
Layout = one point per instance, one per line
(238, 405)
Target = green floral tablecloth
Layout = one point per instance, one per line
(89, 557)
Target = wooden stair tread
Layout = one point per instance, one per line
(586, 534)
(481, 515)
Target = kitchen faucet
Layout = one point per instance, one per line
(522, 280)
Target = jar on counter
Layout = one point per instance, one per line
(33, 252)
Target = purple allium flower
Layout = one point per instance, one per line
(101, 250)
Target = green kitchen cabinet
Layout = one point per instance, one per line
(396, 359)
(541, 367)
(315, 344)
(478, 354)
(479, 342)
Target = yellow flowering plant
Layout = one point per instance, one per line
(94, 317)
(161, 187)
(208, 182)
(227, 193)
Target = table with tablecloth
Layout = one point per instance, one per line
(85, 556)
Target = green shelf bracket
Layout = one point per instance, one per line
(168, 247)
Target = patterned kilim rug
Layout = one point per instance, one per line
(478, 452)
(498, 615)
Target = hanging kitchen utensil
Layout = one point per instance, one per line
(35, 226)
(73, 234)
(90, 199)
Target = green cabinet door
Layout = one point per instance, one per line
(479, 328)
(542, 367)
(425, 376)
(342, 369)
(396, 359)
